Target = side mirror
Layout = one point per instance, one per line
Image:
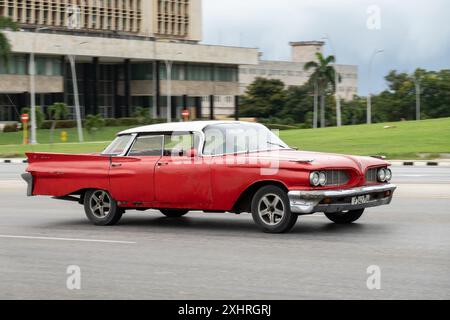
(192, 153)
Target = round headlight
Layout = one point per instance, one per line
(382, 175)
(322, 178)
(388, 174)
(314, 179)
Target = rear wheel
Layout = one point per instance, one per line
(345, 217)
(173, 213)
(101, 208)
(271, 210)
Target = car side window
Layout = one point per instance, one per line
(147, 146)
(178, 144)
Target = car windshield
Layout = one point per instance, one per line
(118, 146)
(237, 138)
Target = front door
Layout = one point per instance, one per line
(181, 179)
(132, 176)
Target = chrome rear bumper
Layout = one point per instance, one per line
(308, 202)
(28, 177)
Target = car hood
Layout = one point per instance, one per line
(318, 160)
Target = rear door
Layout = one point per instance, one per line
(132, 176)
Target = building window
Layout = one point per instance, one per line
(142, 71)
(17, 64)
(199, 72)
(228, 74)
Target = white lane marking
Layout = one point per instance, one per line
(64, 239)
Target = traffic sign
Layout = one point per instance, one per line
(24, 117)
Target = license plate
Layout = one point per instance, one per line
(360, 200)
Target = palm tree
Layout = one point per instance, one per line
(5, 47)
(57, 111)
(322, 77)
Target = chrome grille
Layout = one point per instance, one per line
(372, 175)
(337, 177)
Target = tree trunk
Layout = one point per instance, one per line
(322, 110)
(316, 106)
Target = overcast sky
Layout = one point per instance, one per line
(413, 33)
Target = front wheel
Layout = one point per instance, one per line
(345, 217)
(271, 210)
(172, 213)
(101, 208)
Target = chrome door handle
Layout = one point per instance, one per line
(162, 164)
(116, 165)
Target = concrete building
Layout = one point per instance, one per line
(292, 72)
(124, 50)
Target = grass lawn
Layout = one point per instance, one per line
(405, 141)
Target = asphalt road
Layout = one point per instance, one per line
(224, 256)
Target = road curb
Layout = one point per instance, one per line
(14, 161)
(420, 163)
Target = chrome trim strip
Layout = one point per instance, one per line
(307, 202)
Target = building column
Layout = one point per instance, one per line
(95, 71)
(198, 108)
(64, 75)
(211, 107)
(174, 111)
(86, 89)
(115, 104)
(236, 108)
(127, 84)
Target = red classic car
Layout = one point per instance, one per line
(212, 166)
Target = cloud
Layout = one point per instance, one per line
(413, 33)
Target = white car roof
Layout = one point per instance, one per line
(194, 126)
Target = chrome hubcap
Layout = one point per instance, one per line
(100, 204)
(271, 209)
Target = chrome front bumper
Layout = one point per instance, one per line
(308, 202)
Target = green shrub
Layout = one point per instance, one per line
(60, 124)
(10, 128)
(128, 122)
(111, 122)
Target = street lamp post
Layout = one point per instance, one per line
(76, 97)
(369, 96)
(32, 72)
(418, 100)
(336, 80)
